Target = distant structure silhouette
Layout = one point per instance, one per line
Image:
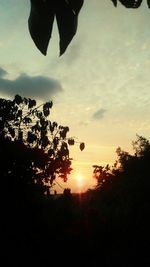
(67, 192)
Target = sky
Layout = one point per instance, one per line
(100, 87)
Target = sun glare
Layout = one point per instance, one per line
(80, 180)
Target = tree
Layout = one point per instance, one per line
(128, 178)
(102, 174)
(34, 150)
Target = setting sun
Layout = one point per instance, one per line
(80, 179)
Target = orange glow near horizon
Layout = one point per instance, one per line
(80, 180)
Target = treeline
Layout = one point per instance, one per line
(121, 203)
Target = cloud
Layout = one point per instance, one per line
(84, 123)
(99, 114)
(41, 87)
(2, 72)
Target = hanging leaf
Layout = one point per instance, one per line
(32, 103)
(82, 146)
(131, 3)
(39, 114)
(71, 142)
(114, 2)
(46, 112)
(18, 99)
(48, 104)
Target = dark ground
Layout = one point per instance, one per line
(75, 230)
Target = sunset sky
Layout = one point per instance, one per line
(100, 86)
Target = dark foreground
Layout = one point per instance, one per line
(79, 230)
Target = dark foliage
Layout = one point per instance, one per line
(129, 171)
(34, 150)
(122, 198)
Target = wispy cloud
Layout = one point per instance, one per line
(2, 72)
(99, 114)
(30, 86)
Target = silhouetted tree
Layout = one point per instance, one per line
(125, 185)
(101, 173)
(126, 164)
(34, 150)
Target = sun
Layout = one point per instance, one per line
(80, 180)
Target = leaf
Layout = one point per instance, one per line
(39, 114)
(32, 103)
(41, 21)
(46, 112)
(63, 132)
(95, 166)
(131, 3)
(71, 142)
(48, 104)
(67, 129)
(18, 99)
(114, 2)
(82, 146)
